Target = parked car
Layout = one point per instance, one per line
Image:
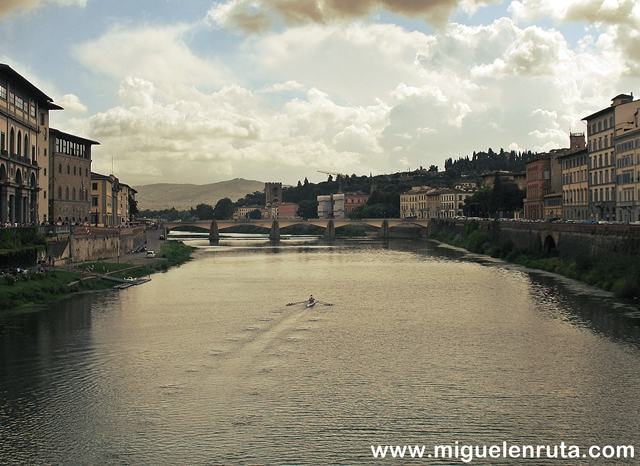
(162, 237)
(151, 254)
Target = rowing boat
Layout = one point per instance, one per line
(311, 303)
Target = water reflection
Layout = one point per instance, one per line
(206, 364)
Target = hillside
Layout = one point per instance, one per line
(185, 196)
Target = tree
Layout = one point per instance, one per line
(306, 181)
(299, 184)
(330, 179)
(223, 209)
(255, 215)
(203, 212)
(308, 209)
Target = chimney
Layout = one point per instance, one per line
(577, 141)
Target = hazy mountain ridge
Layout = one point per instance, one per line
(184, 196)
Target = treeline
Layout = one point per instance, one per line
(482, 162)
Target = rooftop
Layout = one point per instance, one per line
(44, 98)
(75, 138)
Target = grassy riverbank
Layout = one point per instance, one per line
(41, 288)
(617, 273)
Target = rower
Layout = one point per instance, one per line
(311, 299)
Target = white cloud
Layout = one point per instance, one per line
(284, 87)
(156, 53)
(72, 103)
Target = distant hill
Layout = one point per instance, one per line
(184, 196)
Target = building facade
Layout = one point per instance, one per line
(331, 206)
(575, 184)
(627, 147)
(452, 203)
(489, 179)
(538, 186)
(24, 130)
(413, 203)
(104, 200)
(602, 128)
(70, 178)
(352, 201)
(242, 213)
(126, 195)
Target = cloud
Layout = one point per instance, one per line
(256, 16)
(72, 103)
(156, 53)
(284, 87)
(590, 11)
(21, 6)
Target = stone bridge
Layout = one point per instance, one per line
(329, 225)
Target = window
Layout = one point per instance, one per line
(42, 121)
(94, 201)
(94, 186)
(3, 92)
(59, 192)
(66, 193)
(2, 141)
(45, 192)
(32, 110)
(68, 170)
(74, 171)
(74, 194)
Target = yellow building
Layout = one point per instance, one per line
(413, 203)
(126, 195)
(104, 200)
(452, 203)
(575, 184)
(24, 131)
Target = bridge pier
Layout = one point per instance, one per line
(384, 230)
(214, 234)
(330, 231)
(274, 234)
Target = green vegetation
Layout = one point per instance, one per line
(175, 252)
(21, 290)
(617, 273)
(39, 288)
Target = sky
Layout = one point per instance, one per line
(199, 91)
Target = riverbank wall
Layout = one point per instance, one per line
(82, 244)
(605, 256)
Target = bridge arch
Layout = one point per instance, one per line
(549, 244)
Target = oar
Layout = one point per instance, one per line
(325, 304)
(294, 304)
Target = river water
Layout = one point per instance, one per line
(207, 365)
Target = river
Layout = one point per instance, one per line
(207, 365)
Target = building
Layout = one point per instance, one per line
(627, 149)
(70, 177)
(104, 200)
(242, 213)
(575, 184)
(285, 210)
(353, 201)
(433, 204)
(126, 197)
(272, 193)
(466, 186)
(544, 177)
(452, 203)
(553, 205)
(340, 205)
(24, 166)
(413, 203)
(602, 128)
(489, 179)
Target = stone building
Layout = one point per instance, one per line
(70, 177)
(602, 127)
(104, 200)
(272, 193)
(452, 203)
(24, 131)
(627, 147)
(126, 196)
(544, 183)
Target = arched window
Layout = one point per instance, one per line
(66, 194)
(74, 171)
(26, 146)
(19, 145)
(59, 168)
(59, 192)
(73, 194)
(68, 170)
